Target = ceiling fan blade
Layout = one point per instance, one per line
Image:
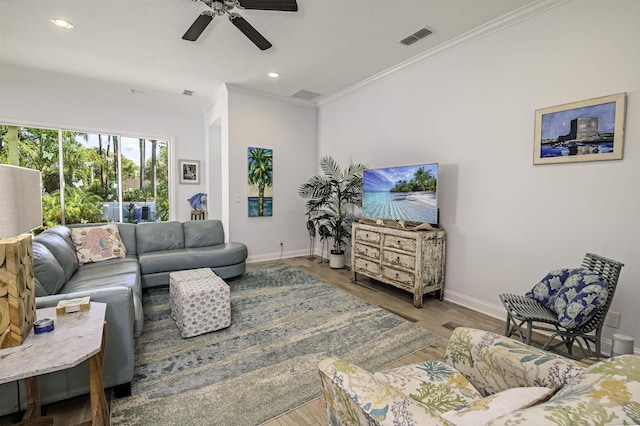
(282, 5)
(251, 33)
(197, 27)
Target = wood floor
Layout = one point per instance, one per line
(439, 317)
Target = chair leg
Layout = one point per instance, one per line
(568, 342)
(597, 343)
(507, 331)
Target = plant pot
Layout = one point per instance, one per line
(336, 259)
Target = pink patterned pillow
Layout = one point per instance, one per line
(97, 243)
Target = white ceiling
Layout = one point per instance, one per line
(325, 47)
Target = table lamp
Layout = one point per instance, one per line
(20, 211)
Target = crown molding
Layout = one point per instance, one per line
(478, 33)
(231, 88)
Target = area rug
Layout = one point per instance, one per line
(284, 322)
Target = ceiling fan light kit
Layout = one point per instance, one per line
(219, 8)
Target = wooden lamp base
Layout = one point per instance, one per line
(17, 290)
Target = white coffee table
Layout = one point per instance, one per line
(76, 337)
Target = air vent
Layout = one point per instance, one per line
(305, 94)
(418, 35)
(187, 92)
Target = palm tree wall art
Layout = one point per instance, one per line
(260, 181)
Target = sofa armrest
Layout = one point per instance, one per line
(119, 347)
(493, 363)
(354, 396)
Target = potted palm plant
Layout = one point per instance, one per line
(331, 197)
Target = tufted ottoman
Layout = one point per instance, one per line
(199, 301)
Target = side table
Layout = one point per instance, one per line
(76, 337)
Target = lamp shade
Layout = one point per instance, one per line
(20, 200)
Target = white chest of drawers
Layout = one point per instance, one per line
(410, 260)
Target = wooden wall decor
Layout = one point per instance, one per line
(17, 290)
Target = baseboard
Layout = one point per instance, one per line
(277, 255)
(498, 311)
(495, 311)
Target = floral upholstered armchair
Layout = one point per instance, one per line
(485, 379)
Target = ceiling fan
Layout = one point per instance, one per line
(225, 7)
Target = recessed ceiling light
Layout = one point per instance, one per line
(273, 75)
(62, 23)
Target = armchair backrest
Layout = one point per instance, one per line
(609, 270)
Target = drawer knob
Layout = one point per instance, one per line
(397, 258)
(398, 242)
(397, 275)
(366, 250)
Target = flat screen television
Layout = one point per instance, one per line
(408, 193)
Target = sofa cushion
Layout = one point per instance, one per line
(435, 384)
(494, 363)
(482, 411)
(128, 236)
(220, 255)
(63, 231)
(607, 395)
(162, 261)
(58, 241)
(47, 270)
(203, 233)
(580, 297)
(192, 258)
(97, 243)
(365, 399)
(158, 236)
(546, 290)
(120, 271)
(40, 291)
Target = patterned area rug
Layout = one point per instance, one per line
(283, 322)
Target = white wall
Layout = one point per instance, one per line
(471, 109)
(289, 129)
(216, 118)
(34, 98)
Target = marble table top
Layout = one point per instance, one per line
(76, 337)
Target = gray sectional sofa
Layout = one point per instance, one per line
(153, 251)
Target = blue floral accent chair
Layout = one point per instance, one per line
(569, 304)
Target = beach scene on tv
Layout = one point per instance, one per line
(406, 193)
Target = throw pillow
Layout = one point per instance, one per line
(97, 243)
(482, 411)
(580, 298)
(546, 290)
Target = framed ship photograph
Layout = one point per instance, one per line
(589, 130)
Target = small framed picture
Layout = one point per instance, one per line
(189, 171)
(589, 130)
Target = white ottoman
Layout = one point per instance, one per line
(199, 301)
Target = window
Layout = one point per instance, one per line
(145, 177)
(100, 177)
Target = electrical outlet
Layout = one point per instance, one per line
(612, 319)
